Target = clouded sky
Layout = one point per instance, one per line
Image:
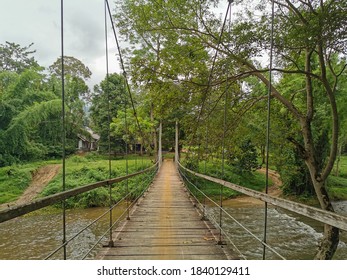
(38, 21)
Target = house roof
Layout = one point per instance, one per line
(95, 136)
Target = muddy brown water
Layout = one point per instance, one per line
(35, 236)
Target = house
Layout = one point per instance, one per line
(88, 141)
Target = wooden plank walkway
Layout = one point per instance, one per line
(165, 225)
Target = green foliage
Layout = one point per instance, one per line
(93, 168)
(73, 67)
(245, 158)
(30, 106)
(15, 58)
(108, 99)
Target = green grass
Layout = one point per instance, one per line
(79, 171)
(337, 188)
(337, 185)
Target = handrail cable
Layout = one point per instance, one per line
(236, 221)
(119, 218)
(317, 214)
(101, 216)
(204, 213)
(268, 122)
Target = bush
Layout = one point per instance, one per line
(245, 158)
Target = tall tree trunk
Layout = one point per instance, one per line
(328, 244)
(330, 240)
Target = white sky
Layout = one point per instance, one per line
(38, 21)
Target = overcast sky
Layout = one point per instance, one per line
(38, 22)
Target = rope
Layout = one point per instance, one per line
(268, 123)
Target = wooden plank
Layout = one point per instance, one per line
(19, 210)
(166, 225)
(317, 214)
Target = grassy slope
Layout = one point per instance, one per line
(15, 179)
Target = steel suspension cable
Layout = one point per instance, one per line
(231, 217)
(108, 124)
(124, 72)
(213, 64)
(120, 217)
(126, 149)
(223, 165)
(63, 122)
(268, 125)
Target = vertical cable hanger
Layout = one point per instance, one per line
(210, 77)
(268, 124)
(124, 72)
(126, 152)
(110, 243)
(63, 121)
(223, 140)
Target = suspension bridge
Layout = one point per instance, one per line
(167, 219)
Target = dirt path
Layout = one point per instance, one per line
(274, 190)
(40, 179)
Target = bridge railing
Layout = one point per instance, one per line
(316, 214)
(134, 194)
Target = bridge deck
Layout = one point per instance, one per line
(165, 225)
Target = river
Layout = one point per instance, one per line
(35, 236)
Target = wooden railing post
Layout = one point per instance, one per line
(176, 145)
(160, 154)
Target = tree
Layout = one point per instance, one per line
(311, 50)
(29, 117)
(107, 100)
(76, 75)
(76, 91)
(15, 58)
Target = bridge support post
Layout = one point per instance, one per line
(160, 153)
(176, 145)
